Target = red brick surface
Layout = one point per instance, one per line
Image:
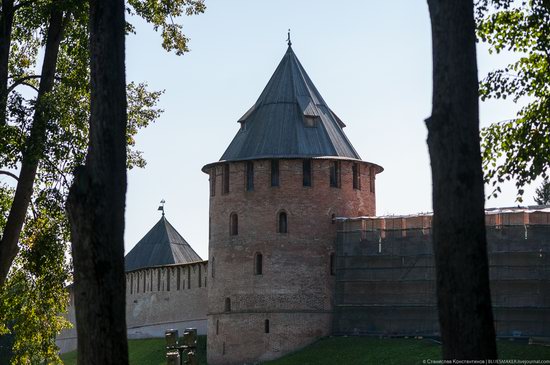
(296, 289)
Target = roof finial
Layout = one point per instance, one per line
(161, 207)
(288, 39)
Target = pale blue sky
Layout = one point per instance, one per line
(371, 62)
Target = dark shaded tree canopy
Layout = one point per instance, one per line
(542, 194)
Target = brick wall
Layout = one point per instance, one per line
(171, 296)
(295, 290)
(157, 298)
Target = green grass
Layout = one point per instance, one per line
(149, 351)
(338, 350)
(522, 351)
(363, 350)
(370, 350)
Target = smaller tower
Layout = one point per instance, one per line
(165, 284)
(162, 245)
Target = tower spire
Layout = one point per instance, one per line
(288, 39)
(161, 207)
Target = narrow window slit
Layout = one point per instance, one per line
(258, 264)
(274, 172)
(233, 224)
(306, 170)
(282, 223)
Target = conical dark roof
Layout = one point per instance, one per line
(162, 245)
(289, 120)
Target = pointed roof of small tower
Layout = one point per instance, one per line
(290, 119)
(162, 245)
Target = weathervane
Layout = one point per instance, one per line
(161, 207)
(288, 39)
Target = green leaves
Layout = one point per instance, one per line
(34, 294)
(519, 148)
(161, 14)
(142, 111)
(542, 194)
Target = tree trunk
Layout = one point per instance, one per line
(6, 26)
(459, 240)
(34, 149)
(97, 198)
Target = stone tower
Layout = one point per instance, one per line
(274, 195)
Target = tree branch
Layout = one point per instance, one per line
(2, 172)
(62, 174)
(23, 81)
(30, 85)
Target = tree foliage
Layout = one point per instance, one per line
(161, 14)
(33, 295)
(542, 194)
(518, 148)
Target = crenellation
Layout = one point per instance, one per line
(405, 225)
(141, 281)
(537, 218)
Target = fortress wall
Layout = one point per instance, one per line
(66, 340)
(165, 297)
(158, 298)
(386, 275)
(295, 290)
(166, 278)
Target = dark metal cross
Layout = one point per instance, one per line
(161, 207)
(288, 39)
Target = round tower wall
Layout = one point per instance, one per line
(294, 290)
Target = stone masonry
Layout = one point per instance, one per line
(157, 298)
(289, 304)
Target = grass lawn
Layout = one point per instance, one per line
(363, 350)
(149, 351)
(339, 350)
(398, 351)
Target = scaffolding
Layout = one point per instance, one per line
(385, 275)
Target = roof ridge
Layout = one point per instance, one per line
(307, 81)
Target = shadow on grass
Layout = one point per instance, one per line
(150, 351)
(339, 351)
(372, 350)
